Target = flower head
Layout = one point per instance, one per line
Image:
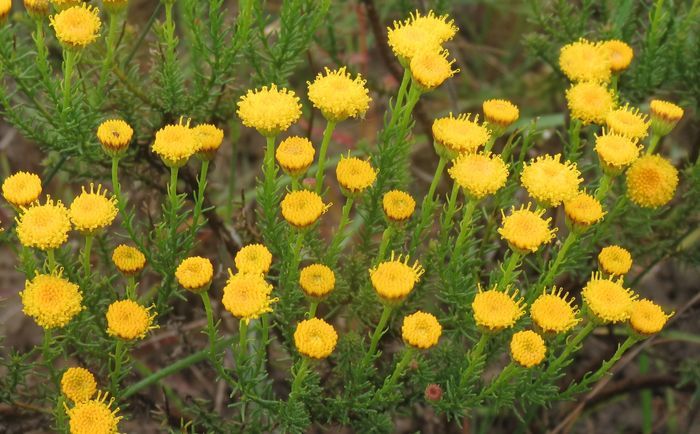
(647, 318)
(65, 4)
(195, 274)
(115, 136)
(479, 175)
(442, 27)
(421, 330)
(51, 300)
(269, 110)
(500, 114)
(430, 68)
(496, 310)
(317, 280)
(94, 416)
(295, 154)
(433, 392)
(355, 175)
(583, 210)
(43, 226)
(585, 61)
(247, 296)
(616, 151)
(406, 38)
(93, 210)
(128, 260)
(549, 181)
(37, 8)
(210, 138)
(394, 279)
(302, 208)
(526, 230)
(459, 135)
(628, 122)
(21, 188)
(253, 258)
(315, 338)
(398, 206)
(77, 26)
(78, 384)
(589, 102)
(338, 95)
(619, 53)
(651, 181)
(5, 8)
(554, 312)
(607, 300)
(664, 116)
(615, 260)
(128, 320)
(527, 348)
(176, 143)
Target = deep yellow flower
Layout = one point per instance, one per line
(406, 39)
(589, 102)
(129, 260)
(479, 175)
(421, 330)
(442, 27)
(394, 279)
(295, 154)
(651, 181)
(430, 68)
(355, 175)
(647, 318)
(43, 226)
(302, 208)
(527, 348)
(616, 151)
(628, 122)
(128, 320)
(460, 135)
(664, 116)
(51, 300)
(315, 338)
(615, 260)
(195, 274)
(500, 114)
(583, 210)
(247, 296)
(37, 8)
(269, 110)
(77, 26)
(607, 300)
(554, 312)
(210, 138)
(94, 416)
(526, 230)
(5, 8)
(115, 136)
(496, 310)
(317, 280)
(585, 61)
(253, 258)
(339, 96)
(78, 384)
(619, 53)
(21, 188)
(398, 205)
(93, 210)
(176, 143)
(549, 181)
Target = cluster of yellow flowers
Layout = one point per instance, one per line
(88, 414)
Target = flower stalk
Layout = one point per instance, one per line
(320, 170)
(378, 332)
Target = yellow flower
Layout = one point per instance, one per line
(5, 8)
(37, 8)
(176, 143)
(51, 300)
(479, 175)
(500, 114)
(93, 210)
(78, 384)
(394, 279)
(317, 280)
(128, 320)
(195, 274)
(607, 300)
(647, 318)
(615, 260)
(583, 210)
(496, 310)
(295, 154)
(94, 416)
(406, 39)
(589, 102)
(210, 138)
(459, 135)
(527, 348)
(421, 330)
(247, 296)
(355, 175)
(664, 116)
(338, 95)
(616, 151)
(115, 136)
(585, 61)
(269, 110)
(629, 122)
(549, 181)
(441, 27)
(21, 188)
(129, 260)
(619, 53)
(526, 230)
(43, 226)
(554, 312)
(651, 181)
(315, 338)
(398, 205)
(77, 26)
(253, 258)
(65, 4)
(430, 68)
(302, 208)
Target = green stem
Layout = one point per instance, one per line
(464, 228)
(647, 404)
(116, 373)
(211, 327)
(413, 96)
(508, 271)
(199, 199)
(653, 142)
(111, 43)
(264, 338)
(327, 134)
(473, 360)
(378, 332)
(603, 188)
(571, 346)
(504, 376)
(299, 376)
(313, 306)
(574, 137)
(406, 357)
(131, 288)
(51, 258)
(269, 159)
(86, 256)
(242, 338)
(387, 235)
(561, 255)
(296, 253)
(172, 195)
(446, 222)
(427, 206)
(489, 145)
(49, 358)
(339, 236)
(400, 97)
(115, 183)
(69, 57)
